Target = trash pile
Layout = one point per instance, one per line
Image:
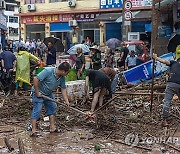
(123, 118)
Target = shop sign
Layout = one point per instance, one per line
(109, 4)
(79, 17)
(178, 9)
(40, 19)
(141, 3)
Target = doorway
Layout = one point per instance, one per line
(90, 34)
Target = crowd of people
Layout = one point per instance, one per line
(101, 74)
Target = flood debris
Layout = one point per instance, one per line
(6, 141)
(128, 112)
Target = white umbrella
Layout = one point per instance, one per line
(73, 49)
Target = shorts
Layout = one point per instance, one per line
(50, 107)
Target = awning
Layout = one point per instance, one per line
(60, 27)
(164, 3)
(108, 17)
(143, 15)
(138, 16)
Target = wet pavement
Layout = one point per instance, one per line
(77, 141)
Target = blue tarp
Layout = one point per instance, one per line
(60, 27)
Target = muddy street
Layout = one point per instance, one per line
(124, 125)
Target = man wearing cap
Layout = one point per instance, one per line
(172, 87)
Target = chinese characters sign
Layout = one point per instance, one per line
(83, 17)
(141, 3)
(79, 17)
(40, 19)
(107, 4)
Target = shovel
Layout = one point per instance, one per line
(74, 109)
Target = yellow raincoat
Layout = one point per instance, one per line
(178, 52)
(23, 67)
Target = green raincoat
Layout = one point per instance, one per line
(23, 67)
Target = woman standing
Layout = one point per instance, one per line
(109, 58)
(80, 63)
(95, 58)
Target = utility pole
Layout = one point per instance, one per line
(126, 19)
(154, 39)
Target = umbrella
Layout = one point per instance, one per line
(73, 49)
(113, 43)
(174, 41)
(56, 42)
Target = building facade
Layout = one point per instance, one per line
(3, 25)
(12, 8)
(44, 18)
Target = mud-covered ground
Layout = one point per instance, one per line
(125, 120)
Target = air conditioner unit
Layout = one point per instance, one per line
(31, 7)
(133, 36)
(73, 23)
(2, 4)
(71, 3)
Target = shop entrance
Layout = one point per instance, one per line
(90, 34)
(36, 31)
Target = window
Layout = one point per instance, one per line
(53, 1)
(9, 7)
(13, 19)
(34, 1)
(40, 1)
(13, 31)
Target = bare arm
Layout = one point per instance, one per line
(36, 87)
(161, 60)
(64, 94)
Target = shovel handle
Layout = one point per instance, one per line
(53, 100)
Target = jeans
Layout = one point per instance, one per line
(171, 90)
(114, 83)
(50, 107)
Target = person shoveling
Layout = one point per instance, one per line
(45, 82)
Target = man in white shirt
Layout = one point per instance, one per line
(130, 61)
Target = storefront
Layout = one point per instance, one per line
(40, 26)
